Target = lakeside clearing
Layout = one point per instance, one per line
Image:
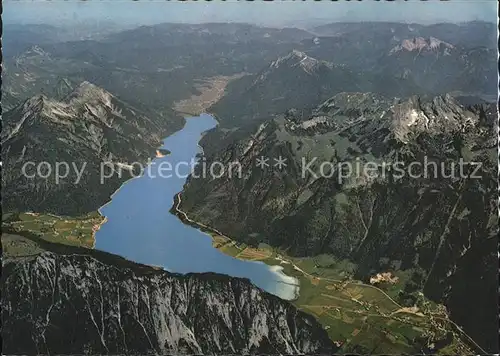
(73, 231)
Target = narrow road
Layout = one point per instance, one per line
(178, 210)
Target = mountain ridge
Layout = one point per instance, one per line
(86, 129)
(421, 44)
(145, 311)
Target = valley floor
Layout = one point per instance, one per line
(210, 91)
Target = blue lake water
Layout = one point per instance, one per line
(140, 227)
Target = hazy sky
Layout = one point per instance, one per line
(145, 12)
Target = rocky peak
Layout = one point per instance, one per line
(35, 103)
(31, 109)
(441, 114)
(338, 112)
(87, 92)
(86, 101)
(294, 59)
(42, 106)
(296, 54)
(420, 44)
(38, 50)
(404, 118)
(85, 95)
(105, 304)
(32, 52)
(297, 58)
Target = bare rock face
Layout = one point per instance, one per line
(419, 44)
(300, 59)
(442, 114)
(77, 304)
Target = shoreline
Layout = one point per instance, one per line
(96, 229)
(153, 158)
(276, 269)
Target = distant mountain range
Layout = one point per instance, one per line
(180, 54)
(177, 56)
(389, 59)
(468, 34)
(300, 81)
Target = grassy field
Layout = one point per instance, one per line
(210, 90)
(73, 231)
(354, 313)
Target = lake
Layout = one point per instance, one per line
(140, 227)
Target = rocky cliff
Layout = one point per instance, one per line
(83, 304)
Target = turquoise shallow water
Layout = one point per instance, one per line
(139, 226)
